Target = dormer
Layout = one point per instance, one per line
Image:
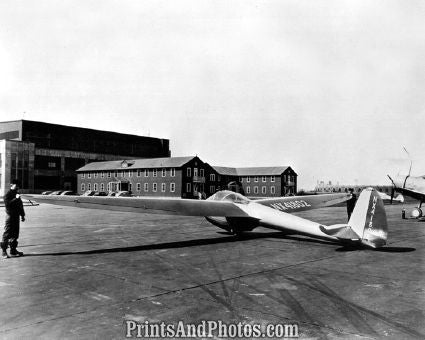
(126, 163)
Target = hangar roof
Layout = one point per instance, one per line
(164, 162)
(253, 171)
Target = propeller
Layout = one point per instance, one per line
(411, 161)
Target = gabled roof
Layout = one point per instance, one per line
(262, 171)
(164, 162)
(226, 171)
(253, 171)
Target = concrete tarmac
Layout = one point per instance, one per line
(85, 272)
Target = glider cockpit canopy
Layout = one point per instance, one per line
(226, 195)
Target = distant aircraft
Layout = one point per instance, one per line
(411, 186)
(236, 213)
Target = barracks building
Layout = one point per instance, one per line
(45, 156)
(186, 177)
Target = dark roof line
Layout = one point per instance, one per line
(82, 128)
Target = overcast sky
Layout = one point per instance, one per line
(334, 89)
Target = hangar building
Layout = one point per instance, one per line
(44, 156)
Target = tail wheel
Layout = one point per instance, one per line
(416, 213)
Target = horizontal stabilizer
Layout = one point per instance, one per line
(343, 232)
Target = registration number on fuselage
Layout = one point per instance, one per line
(290, 205)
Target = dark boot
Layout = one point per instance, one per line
(13, 251)
(4, 253)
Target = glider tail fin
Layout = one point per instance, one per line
(367, 224)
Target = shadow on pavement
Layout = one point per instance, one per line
(189, 243)
(383, 249)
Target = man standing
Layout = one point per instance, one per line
(351, 203)
(14, 210)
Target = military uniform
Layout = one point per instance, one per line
(14, 210)
(351, 203)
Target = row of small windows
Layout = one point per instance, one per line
(290, 178)
(101, 187)
(256, 179)
(129, 173)
(263, 190)
(195, 172)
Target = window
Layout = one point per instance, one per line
(241, 179)
(195, 172)
(89, 186)
(83, 175)
(95, 175)
(248, 190)
(264, 179)
(109, 174)
(173, 172)
(272, 189)
(163, 185)
(102, 186)
(139, 172)
(255, 190)
(272, 179)
(172, 187)
(154, 187)
(115, 173)
(256, 179)
(212, 177)
(248, 179)
(122, 173)
(130, 173)
(188, 187)
(188, 172)
(130, 186)
(154, 173)
(201, 172)
(138, 186)
(108, 186)
(89, 176)
(51, 165)
(102, 174)
(95, 186)
(212, 189)
(146, 172)
(263, 190)
(146, 187)
(164, 172)
(83, 187)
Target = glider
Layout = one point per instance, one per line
(237, 213)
